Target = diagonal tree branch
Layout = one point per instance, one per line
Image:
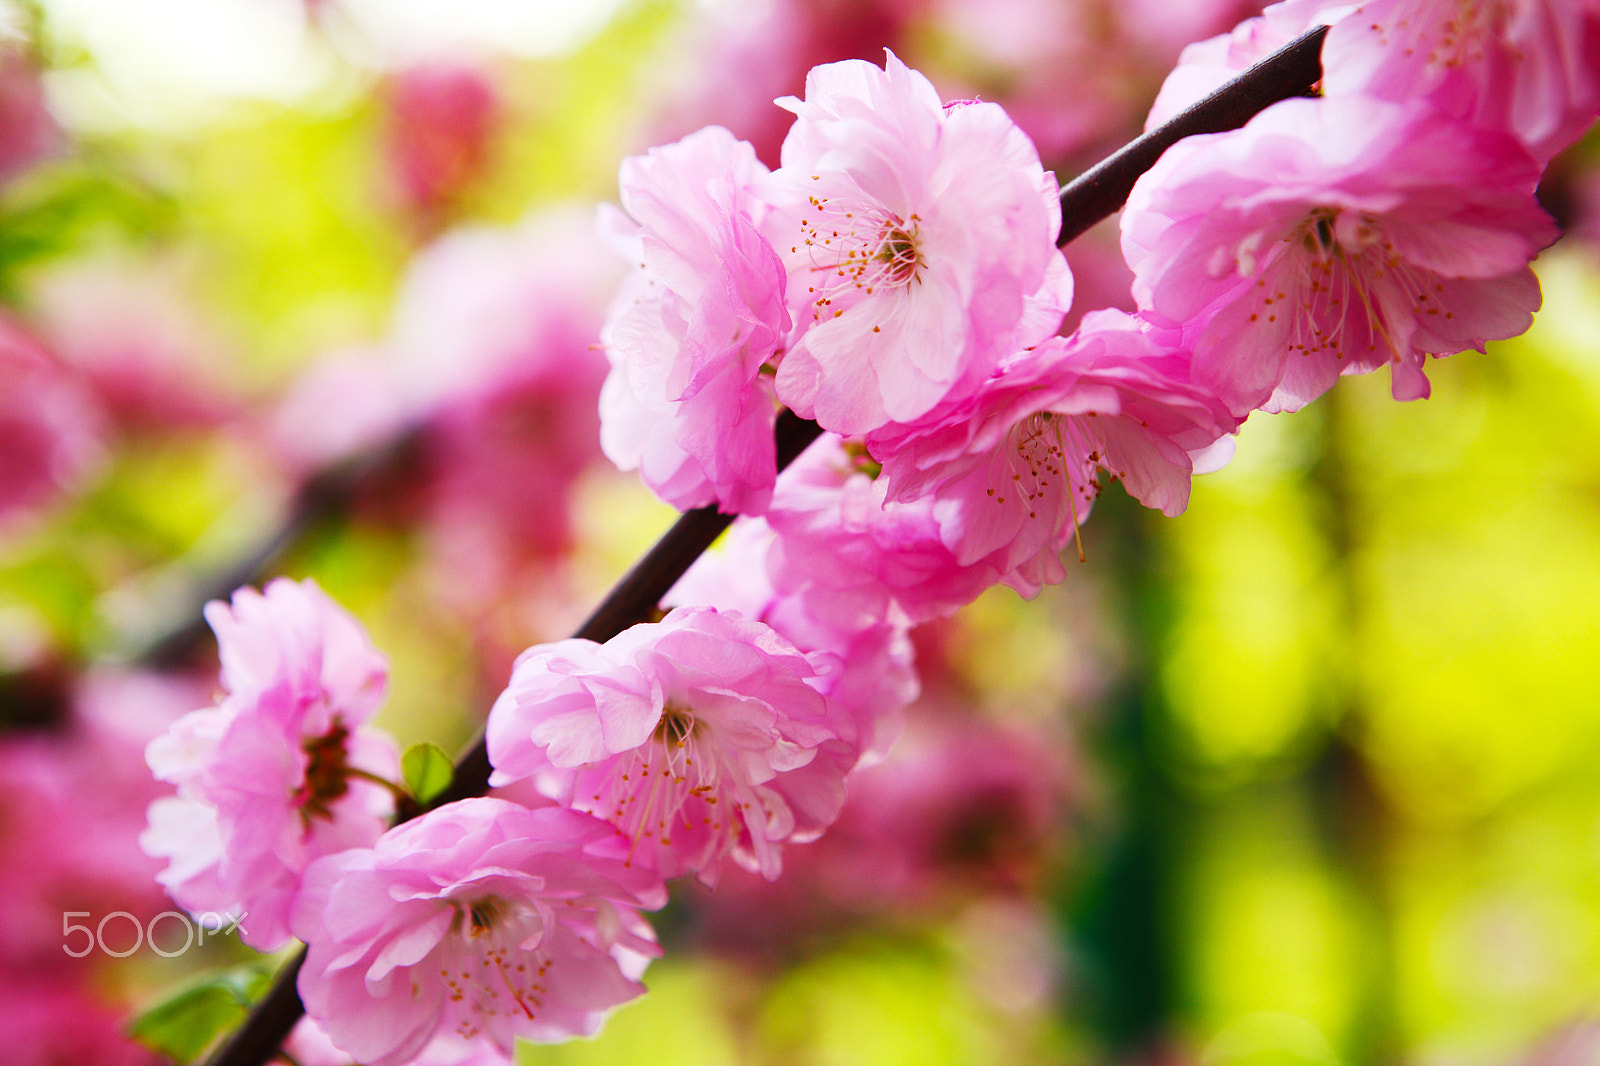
(1097, 194)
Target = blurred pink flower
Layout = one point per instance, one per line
(489, 377)
(964, 805)
(51, 431)
(73, 806)
(128, 326)
(279, 773)
(494, 346)
(480, 919)
(28, 132)
(441, 117)
(1336, 236)
(696, 737)
(686, 403)
(915, 235)
(964, 809)
(346, 403)
(51, 1020)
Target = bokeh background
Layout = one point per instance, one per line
(1306, 775)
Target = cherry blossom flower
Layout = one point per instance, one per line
(696, 737)
(686, 402)
(1530, 68)
(915, 236)
(1013, 471)
(281, 771)
(1336, 236)
(481, 920)
(856, 637)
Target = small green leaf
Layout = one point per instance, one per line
(427, 771)
(191, 1019)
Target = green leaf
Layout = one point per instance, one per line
(427, 771)
(191, 1019)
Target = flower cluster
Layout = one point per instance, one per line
(1390, 219)
(901, 251)
(479, 922)
(897, 280)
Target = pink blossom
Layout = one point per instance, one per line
(309, 1045)
(280, 772)
(50, 428)
(441, 116)
(746, 55)
(480, 920)
(686, 403)
(915, 236)
(1335, 236)
(855, 636)
(854, 557)
(1013, 471)
(1530, 68)
(696, 737)
(130, 328)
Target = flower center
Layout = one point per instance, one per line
(485, 970)
(677, 725)
(1323, 288)
(899, 255)
(857, 249)
(327, 774)
(1050, 463)
(673, 786)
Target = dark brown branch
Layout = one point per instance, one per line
(1097, 194)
